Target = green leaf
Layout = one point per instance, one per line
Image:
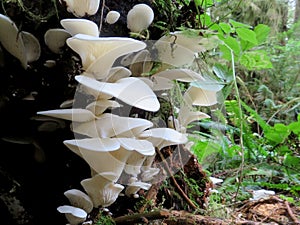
(225, 27)
(231, 44)
(262, 32)
(247, 35)
(256, 60)
(292, 161)
(295, 127)
(205, 19)
(278, 133)
(236, 24)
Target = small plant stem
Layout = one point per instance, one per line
(181, 192)
(101, 17)
(238, 98)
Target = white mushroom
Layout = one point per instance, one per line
(73, 214)
(99, 106)
(162, 137)
(186, 115)
(108, 154)
(77, 115)
(112, 17)
(134, 164)
(126, 90)
(134, 186)
(32, 46)
(110, 125)
(102, 191)
(200, 97)
(79, 199)
(55, 39)
(11, 41)
(190, 41)
(80, 8)
(139, 18)
(171, 54)
(98, 54)
(116, 73)
(184, 75)
(80, 26)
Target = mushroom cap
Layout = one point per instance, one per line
(199, 96)
(134, 163)
(186, 115)
(183, 75)
(80, 26)
(80, 8)
(99, 106)
(77, 115)
(110, 125)
(173, 54)
(102, 191)
(112, 17)
(99, 53)
(139, 18)
(189, 41)
(73, 214)
(116, 73)
(108, 154)
(79, 199)
(55, 39)
(10, 40)
(32, 46)
(126, 90)
(135, 186)
(162, 137)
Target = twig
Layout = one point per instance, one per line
(101, 17)
(292, 215)
(181, 192)
(134, 218)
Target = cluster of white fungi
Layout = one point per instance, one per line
(111, 144)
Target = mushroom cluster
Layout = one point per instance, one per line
(21, 44)
(114, 145)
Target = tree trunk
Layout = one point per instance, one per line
(297, 11)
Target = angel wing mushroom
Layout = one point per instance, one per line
(98, 54)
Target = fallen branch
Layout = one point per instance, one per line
(292, 215)
(174, 217)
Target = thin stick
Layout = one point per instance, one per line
(181, 192)
(101, 17)
(292, 215)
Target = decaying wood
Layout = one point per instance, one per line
(174, 217)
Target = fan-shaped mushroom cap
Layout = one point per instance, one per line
(110, 125)
(99, 106)
(134, 163)
(139, 18)
(184, 75)
(112, 17)
(79, 199)
(80, 8)
(108, 154)
(138, 63)
(32, 46)
(10, 40)
(174, 55)
(55, 39)
(80, 26)
(162, 137)
(73, 214)
(135, 186)
(189, 41)
(186, 116)
(76, 115)
(125, 89)
(102, 191)
(199, 96)
(98, 54)
(148, 174)
(116, 73)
